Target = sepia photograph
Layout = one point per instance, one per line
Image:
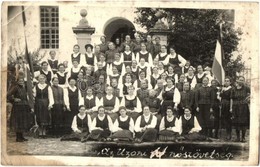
(130, 83)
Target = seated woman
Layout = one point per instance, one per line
(169, 126)
(189, 126)
(91, 102)
(101, 126)
(123, 126)
(145, 126)
(81, 125)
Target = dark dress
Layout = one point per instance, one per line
(77, 58)
(20, 115)
(150, 134)
(187, 100)
(144, 56)
(98, 134)
(167, 100)
(175, 63)
(54, 65)
(74, 106)
(204, 100)
(82, 125)
(240, 107)
(109, 105)
(41, 106)
(199, 81)
(62, 79)
(48, 76)
(168, 135)
(127, 58)
(130, 105)
(89, 60)
(215, 107)
(57, 109)
(125, 133)
(225, 109)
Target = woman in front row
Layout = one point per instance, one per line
(102, 126)
(123, 127)
(81, 125)
(190, 127)
(169, 126)
(145, 126)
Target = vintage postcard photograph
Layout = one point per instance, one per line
(106, 83)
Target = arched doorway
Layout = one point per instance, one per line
(118, 27)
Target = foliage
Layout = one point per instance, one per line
(36, 56)
(193, 32)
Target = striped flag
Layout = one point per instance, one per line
(29, 70)
(217, 68)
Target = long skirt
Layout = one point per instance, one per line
(226, 121)
(164, 106)
(149, 134)
(204, 116)
(133, 115)
(69, 115)
(57, 115)
(241, 116)
(98, 134)
(74, 136)
(216, 113)
(195, 136)
(42, 112)
(167, 135)
(122, 135)
(20, 120)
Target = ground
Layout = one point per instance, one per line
(218, 148)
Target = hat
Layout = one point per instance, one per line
(89, 45)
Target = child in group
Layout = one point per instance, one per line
(169, 127)
(123, 127)
(145, 126)
(102, 126)
(81, 126)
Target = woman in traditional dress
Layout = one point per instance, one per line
(199, 76)
(62, 76)
(154, 77)
(169, 128)
(162, 56)
(176, 60)
(226, 114)
(75, 70)
(53, 61)
(145, 55)
(102, 126)
(43, 104)
(72, 99)
(44, 71)
(91, 60)
(110, 103)
(58, 108)
(179, 85)
(81, 125)
(134, 69)
(190, 77)
(143, 67)
(170, 95)
(204, 102)
(171, 73)
(190, 127)
(21, 109)
(127, 56)
(145, 126)
(123, 127)
(240, 96)
(114, 75)
(91, 103)
(120, 66)
(76, 56)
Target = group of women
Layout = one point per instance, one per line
(134, 91)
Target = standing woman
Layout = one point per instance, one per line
(20, 110)
(179, 85)
(58, 108)
(190, 77)
(62, 76)
(128, 56)
(226, 114)
(240, 96)
(203, 102)
(72, 99)
(89, 56)
(44, 71)
(43, 104)
(187, 99)
(171, 73)
(170, 95)
(123, 126)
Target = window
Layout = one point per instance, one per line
(49, 27)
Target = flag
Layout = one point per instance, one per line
(29, 70)
(217, 68)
